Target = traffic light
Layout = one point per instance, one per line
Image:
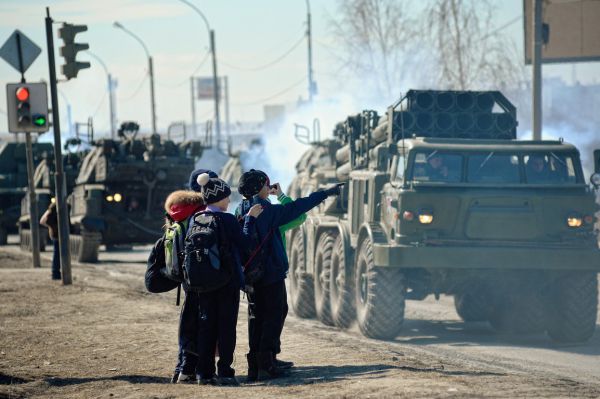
(27, 107)
(70, 49)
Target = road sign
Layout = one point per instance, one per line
(205, 89)
(27, 107)
(574, 31)
(10, 51)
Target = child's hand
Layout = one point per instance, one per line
(256, 210)
(275, 189)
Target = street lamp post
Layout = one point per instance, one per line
(150, 71)
(110, 96)
(211, 35)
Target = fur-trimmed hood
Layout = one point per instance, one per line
(182, 204)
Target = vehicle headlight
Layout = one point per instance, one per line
(574, 221)
(425, 217)
(408, 216)
(109, 198)
(52, 200)
(117, 197)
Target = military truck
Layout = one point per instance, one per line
(120, 190)
(13, 182)
(442, 199)
(44, 189)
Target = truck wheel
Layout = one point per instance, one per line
(379, 296)
(341, 288)
(519, 314)
(472, 305)
(573, 307)
(85, 246)
(301, 284)
(321, 278)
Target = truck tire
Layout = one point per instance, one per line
(472, 305)
(519, 314)
(573, 307)
(301, 284)
(321, 278)
(380, 296)
(341, 289)
(84, 246)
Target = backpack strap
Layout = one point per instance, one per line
(258, 249)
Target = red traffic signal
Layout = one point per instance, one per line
(22, 94)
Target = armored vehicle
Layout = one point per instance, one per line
(120, 190)
(44, 189)
(442, 199)
(13, 182)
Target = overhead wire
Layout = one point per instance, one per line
(279, 93)
(136, 91)
(268, 64)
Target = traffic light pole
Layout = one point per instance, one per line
(34, 224)
(536, 62)
(59, 177)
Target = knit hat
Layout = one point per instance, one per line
(252, 182)
(193, 183)
(213, 189)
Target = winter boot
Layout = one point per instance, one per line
(266, 368)
(282, 364)
(252, 367)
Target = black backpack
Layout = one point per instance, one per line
(155, 278)
(207, 265)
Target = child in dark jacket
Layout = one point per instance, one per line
(218, 310)
(266, 304)
(179, 207)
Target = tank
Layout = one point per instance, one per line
(118, 196)
(13, 182)
(440, 198)
(44, 189)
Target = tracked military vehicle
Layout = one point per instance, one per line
(120, 190)
(13, 182)
(44, 190)
(442, 199)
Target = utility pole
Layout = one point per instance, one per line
(153, 104)
(312, 86)
(111, 106)
(226, 89)
(536, 63)
(193, 102)
(213, 50)
(59, 177)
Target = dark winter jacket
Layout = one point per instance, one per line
(272, 217)
(240, 240)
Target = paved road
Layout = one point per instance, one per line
(434, 330)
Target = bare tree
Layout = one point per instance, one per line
(373, 37)
(470, 52)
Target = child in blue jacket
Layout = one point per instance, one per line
(266, 304)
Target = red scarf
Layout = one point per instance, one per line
(179, 212)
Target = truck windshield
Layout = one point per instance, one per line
(549, 168)
(437, 166)
(495, 167)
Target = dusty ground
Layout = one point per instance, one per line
(104, 337)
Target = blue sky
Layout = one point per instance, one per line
(248, 33)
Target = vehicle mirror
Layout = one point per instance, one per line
(597, 161)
